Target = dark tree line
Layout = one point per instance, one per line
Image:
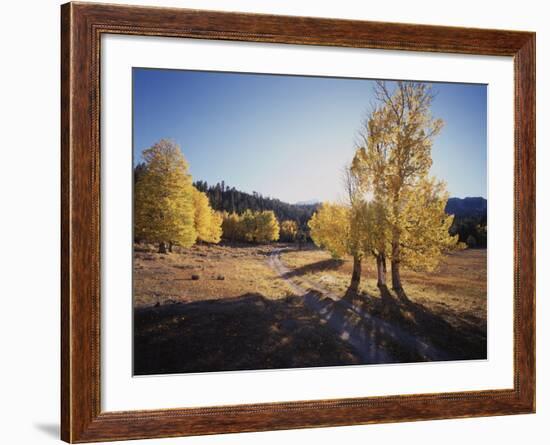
(471, 230)
(470, 221)
(229, 199)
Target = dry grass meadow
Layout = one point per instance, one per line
(223, 272)
(222, 307)
(457, 291)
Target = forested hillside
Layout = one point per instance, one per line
(228, 199)
(470, 221)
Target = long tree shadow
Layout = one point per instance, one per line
(319, 266)
(246, 332)
(464, 341)
(253, 332)
(375, 340)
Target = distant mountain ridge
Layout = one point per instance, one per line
(467, 207)
(309, 202)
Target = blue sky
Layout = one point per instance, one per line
(289, 137)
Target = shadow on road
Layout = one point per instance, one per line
(462, 341)
(319, 266)
(247, 332)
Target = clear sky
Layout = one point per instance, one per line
(289, 137)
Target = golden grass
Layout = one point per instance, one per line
(457, 290)
(164, 278)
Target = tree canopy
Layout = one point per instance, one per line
(289, 230)
(163, 209)
(208, 223)
(167, 208)
(330, 229)
(251, 226)
(392, 164)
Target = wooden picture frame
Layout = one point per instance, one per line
(82, 25)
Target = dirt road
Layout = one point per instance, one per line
(375, 340)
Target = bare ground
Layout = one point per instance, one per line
(223, 271)
(236, 333)
(244, 313)
(457, 291)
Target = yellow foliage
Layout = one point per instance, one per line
(163, 206)
(425, 226)
(267, 226)
(231, 227)
(392, 166)
(207, 222)
(289, 230)
(330, 229)
(251, 226)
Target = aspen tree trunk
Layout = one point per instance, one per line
(356, 274)
(381, 270)
(396, 271)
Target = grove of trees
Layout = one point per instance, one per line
(471, 230)
(163, 209)
(251, 226)
(228, 199)
(395, 210)
(168, 209)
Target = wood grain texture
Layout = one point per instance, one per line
(82, 26)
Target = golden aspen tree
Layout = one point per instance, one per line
(344, 229)
(358, 228)
(289, 230)
(425, 236)
(251, 226)
(247, 226)
(379, 234)
(369, 172)
(207, 222)
(163, 198)
(393, 165)
(330, 228)
(216, 227)
(231, 226)
(266, 227)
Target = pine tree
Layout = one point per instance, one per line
(163, 207)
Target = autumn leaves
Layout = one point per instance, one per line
(168, 209)
(251, 226)
(394, 209)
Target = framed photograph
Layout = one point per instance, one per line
(274, 222)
